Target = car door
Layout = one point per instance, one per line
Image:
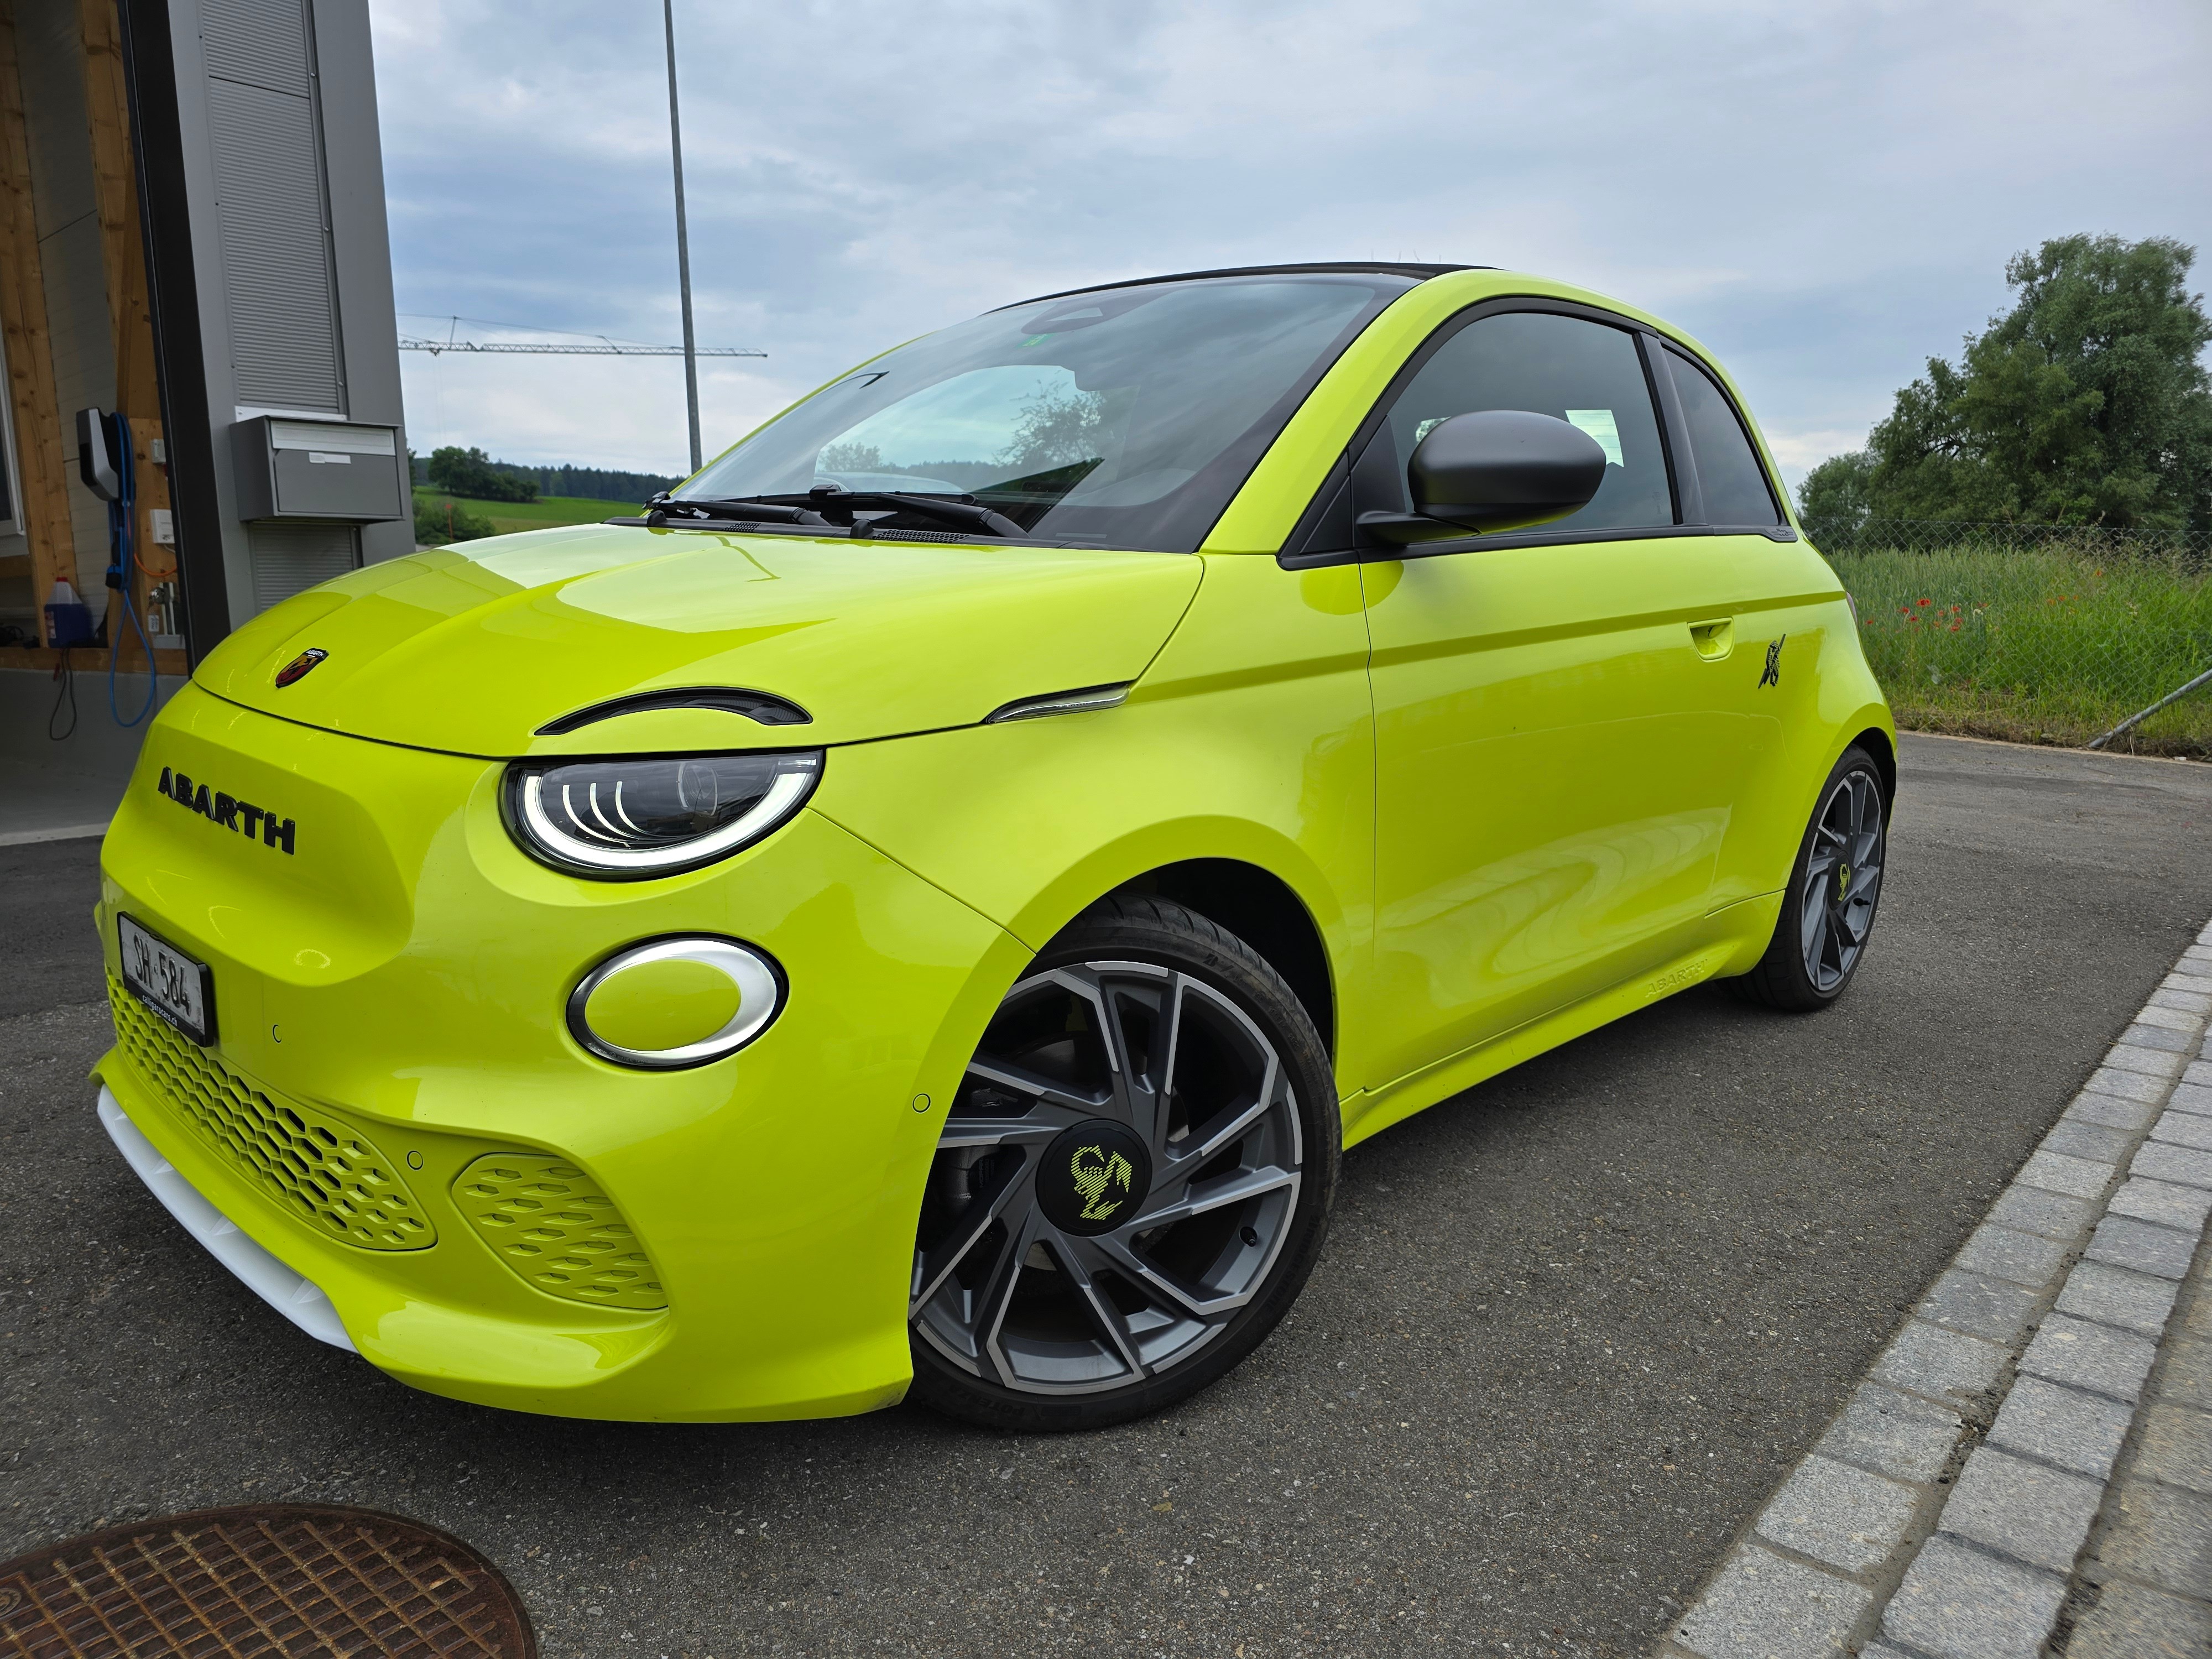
(1556, 758)
(1780, 606)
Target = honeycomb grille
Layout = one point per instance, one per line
(548, 1220)
(317, 1166)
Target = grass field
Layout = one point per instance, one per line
(2043, 645)
(546, 512)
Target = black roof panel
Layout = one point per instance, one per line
(1380, 266)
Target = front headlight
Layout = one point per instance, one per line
(632, 819)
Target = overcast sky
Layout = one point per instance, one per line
(1823, 193)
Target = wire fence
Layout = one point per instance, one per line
(2034, 632)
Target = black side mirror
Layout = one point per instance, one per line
(1491, 471)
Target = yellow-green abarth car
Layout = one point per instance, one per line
(926, 906)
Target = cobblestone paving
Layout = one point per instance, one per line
(2143, 1590)
(2027, 1469)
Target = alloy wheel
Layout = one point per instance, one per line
(1118, 1174)
(1843, 880)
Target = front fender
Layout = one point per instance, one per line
(1251, 739)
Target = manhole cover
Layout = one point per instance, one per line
(295, 1580)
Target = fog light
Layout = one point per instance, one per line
(670, 1003)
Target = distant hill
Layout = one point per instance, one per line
(591, 483)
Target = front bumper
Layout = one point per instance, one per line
(298, 1300)
(397, 980)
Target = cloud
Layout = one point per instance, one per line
(1824, 194)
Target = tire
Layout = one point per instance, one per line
(1101, 1240)
(1835, 886)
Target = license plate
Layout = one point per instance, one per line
(165, 979)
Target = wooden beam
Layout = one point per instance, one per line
(39, 451)
(123, 255)
(152, 562)
(115, 192)
(158, 560)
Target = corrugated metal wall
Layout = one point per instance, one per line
(272, 211)
(290, 558)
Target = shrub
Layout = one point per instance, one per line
(441, 523)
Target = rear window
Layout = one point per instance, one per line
(1728, 472)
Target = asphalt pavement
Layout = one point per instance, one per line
(1569, 1331)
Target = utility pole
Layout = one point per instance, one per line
(682, 239)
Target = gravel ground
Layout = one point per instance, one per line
(1570, 1329)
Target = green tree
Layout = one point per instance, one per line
(1056, 429)
(849, 458)
(2088, 402)
(1837, 496)
(472, 473)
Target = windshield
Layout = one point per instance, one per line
(1126, 417)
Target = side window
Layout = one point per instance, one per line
(1580, 372)
(1728, 472)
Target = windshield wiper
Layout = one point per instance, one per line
(810, 507)
(969, 514)
(659, 509)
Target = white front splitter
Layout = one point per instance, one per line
(299, 1300)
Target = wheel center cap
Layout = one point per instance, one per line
(1093, 1177)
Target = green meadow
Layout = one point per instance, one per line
(504, 518)
(2055, 644)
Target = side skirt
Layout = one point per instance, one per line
(1742, 930)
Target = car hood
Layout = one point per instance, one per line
(472, 650)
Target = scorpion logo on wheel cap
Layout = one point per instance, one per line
(1093, 1177)
(1097, 1172)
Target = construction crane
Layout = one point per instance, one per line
(608, 349)
(599, 346)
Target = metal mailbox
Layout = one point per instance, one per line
(294, 469)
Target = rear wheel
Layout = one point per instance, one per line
(1828, 910)
(1133, 1181)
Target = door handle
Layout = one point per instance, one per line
(1714, 640)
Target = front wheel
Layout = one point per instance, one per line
(1828, 909)
(1133, 1181)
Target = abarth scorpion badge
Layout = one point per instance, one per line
(298, 668)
